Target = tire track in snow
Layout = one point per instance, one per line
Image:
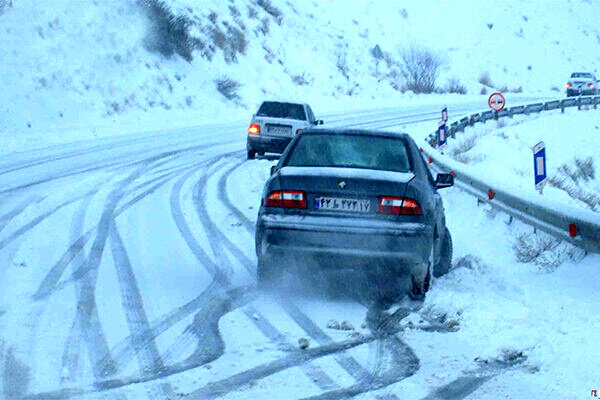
(8, 217)
(86, 317)
(150, 361)
(222, 278)
(50, 282)
(70, 358)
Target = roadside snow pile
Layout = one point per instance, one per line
(502, 150)
(80, 69)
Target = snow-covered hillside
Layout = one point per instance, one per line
(78, 69)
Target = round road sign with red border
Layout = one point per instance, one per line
(496, 101)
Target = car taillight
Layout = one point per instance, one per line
(254, 129)
(399, 205)
(298, 131)
(590, 85)
(286, 199)
(569, 84)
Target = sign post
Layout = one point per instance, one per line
(445, 114)
(441, 134)
(539, 165)
(496, 102)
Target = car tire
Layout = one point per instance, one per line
(419, 285)
(445, 261)
(251, 154)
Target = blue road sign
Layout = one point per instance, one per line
(445, 114)
(539, 164)
(441, 134)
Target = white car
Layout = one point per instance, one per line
(275, 124)
(582, 83)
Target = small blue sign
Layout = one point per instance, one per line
(441, 134)
(539, 164)
(445, 114)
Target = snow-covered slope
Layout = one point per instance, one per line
(78, 69)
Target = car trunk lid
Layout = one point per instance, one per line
(344, 191)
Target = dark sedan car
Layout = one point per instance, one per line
(358, 200)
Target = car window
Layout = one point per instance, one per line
(351, 151)
(581, 75)
(311, 116)
(281, 110)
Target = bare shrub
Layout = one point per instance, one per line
(271, 9)
(168, 34)
(454, 86)
(264, 26)
(555, 89)
(4, 4)
(517, 90)
(503, 89)
(569, 177)
(234, 11)
(300, 80)
(218, 37)
(544, 250)
(252, 13)
(228, 88)
(420, 68)
(483, 90)
(342, 64)
(235, 42)
(459, 150)
(485, 79)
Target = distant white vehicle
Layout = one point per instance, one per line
(581, 84)
(275, 124)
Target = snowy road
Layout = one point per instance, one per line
(127, 270)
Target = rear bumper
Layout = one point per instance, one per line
(267, 144)
(343, 243)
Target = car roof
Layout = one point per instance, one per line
(358, 132)
(283, 102)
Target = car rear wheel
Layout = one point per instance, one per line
(251, 154)
(445, 261)
(418, 286)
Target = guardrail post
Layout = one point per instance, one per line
(562, 106)
(579, 103)
(495, 115)
(510, 114)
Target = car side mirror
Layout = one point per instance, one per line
(319, 122)
(273, 169)
(444, 181)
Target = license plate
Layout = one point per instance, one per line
(280, 130)
(338, 204)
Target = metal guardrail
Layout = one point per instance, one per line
(577, 226)
(484, 116)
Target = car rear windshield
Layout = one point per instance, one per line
(282, 110)
(581, 75)
(350, 151)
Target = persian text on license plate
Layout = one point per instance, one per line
(338, 204)
(279, 130)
